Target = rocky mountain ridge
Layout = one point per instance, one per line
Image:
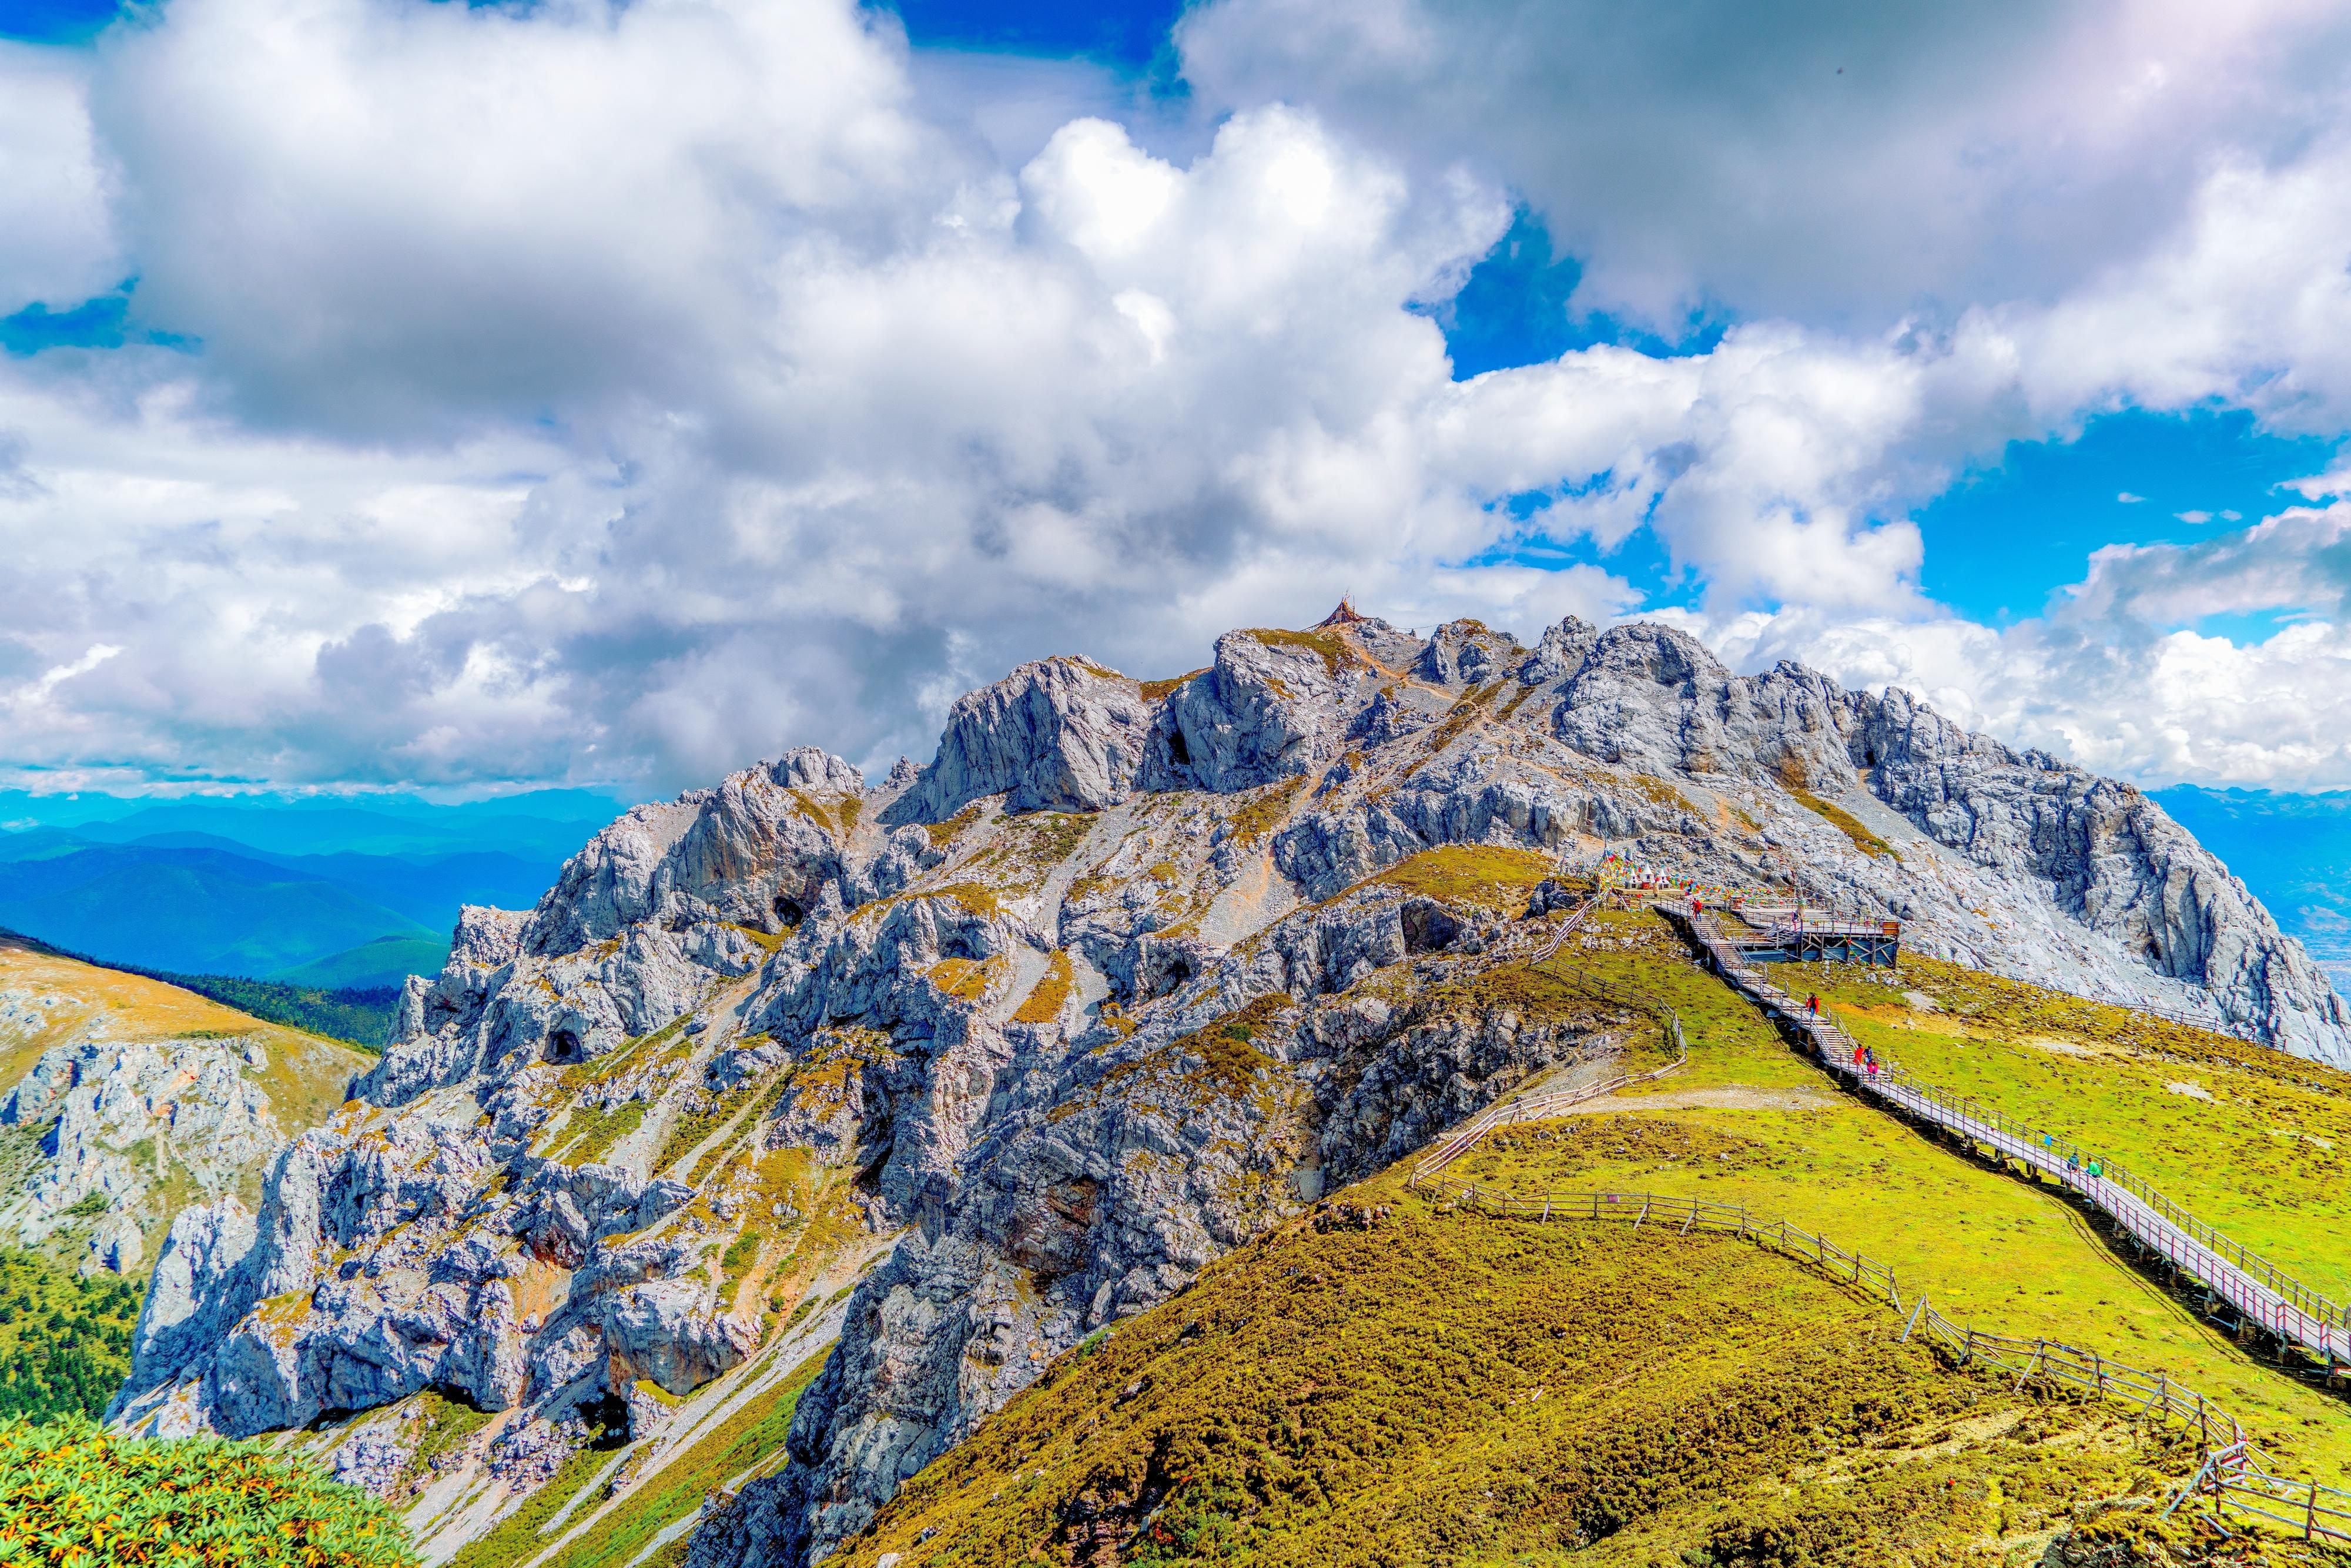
(1125, 974)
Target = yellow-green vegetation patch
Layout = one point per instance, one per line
(1230, 1057)
(1263, 810)
(1844, 822)
(974, 898)
(1562, 1150)
(2251, 1140)
(704, 1114)
(65, 1342)
(1463, 713)
(591, 1130)
(965, 979)
(820, 1077)
(1333, 650)
(444, 1425)
(628, 1055)
(657, 1393)
(517, 1538)
(1548, 993)
(74, 1496)
(765, 941)
(1486, 874)
(752, 1437)
(285, 1307)
(1158, 691)
(1045, 1000)
(1658, 791)
(1442, 1388)
(1050, 837)
(807, 806)
(1225, 1049)
(943, 834)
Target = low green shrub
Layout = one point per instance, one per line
(73, 1495)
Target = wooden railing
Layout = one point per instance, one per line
(2257, 1290)
(2235, 1475)
(1540, 1107)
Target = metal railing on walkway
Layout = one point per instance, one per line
(2257, 1290)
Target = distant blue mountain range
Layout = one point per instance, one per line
(334, 893)
(320, 893)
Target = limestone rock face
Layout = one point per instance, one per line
(1264, 710)
(1059, 733)
(1117, 980)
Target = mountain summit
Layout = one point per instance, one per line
(1018, 1041)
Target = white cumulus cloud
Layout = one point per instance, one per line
(621, 392)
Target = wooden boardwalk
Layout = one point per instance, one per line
(2261, 1294)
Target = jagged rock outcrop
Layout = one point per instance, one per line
(1123, 977)
(1062, 734)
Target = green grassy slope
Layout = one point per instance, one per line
(2255, 1141)
(1447, 1387)
(753, 1437)
(384, 962)
(1986, 1247)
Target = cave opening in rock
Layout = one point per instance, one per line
(1176, 750)
(789, 911)
(1428, 927)
(564, 1048)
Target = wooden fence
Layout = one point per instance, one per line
(2234, 1477)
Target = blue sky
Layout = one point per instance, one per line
(465, 398)
(2008, 535)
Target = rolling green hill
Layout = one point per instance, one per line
(382, 963)
(189, 911)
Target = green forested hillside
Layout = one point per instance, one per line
(65, 1342)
